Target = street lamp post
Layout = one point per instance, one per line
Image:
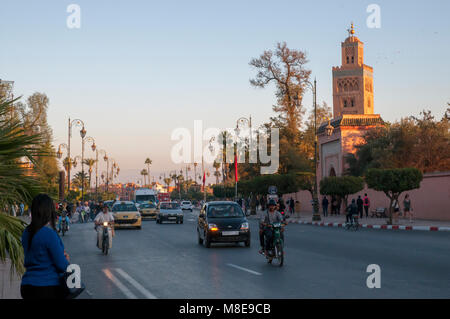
(316, 215)
(75, 122)
(93, 146)
(97, 151)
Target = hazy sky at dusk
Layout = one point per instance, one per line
(136, 70)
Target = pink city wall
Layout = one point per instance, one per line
(431, 201)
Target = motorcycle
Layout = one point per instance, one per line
(64, 227)
(105, 238)
(275, 251)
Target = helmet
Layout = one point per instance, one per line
(272, 203)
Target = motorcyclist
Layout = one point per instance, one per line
(102, 217)
(267, 219)
(63, 215)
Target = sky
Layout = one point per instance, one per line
(136, 70)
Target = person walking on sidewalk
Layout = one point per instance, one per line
(359, 203)
(366, 204)
(291, 206)
(325, 206)
(396, 210)
(407, 207)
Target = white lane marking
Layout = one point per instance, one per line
(245, 269)
(137, 285)
(119, 284)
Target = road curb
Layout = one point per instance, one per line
(389, 227)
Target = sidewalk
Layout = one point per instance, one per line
(375, 223)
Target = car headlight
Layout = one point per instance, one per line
(244, 226)
(213, 227)
(138, 215)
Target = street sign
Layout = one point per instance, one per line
(273, 190)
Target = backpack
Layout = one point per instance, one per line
(366, 201)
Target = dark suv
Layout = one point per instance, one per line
(222, 222)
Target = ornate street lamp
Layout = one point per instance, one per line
(78, 123)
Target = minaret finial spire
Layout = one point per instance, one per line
(351, 31)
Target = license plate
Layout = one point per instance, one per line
(125, 216)
(172, 218)
(230, 233)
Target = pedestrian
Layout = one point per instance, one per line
(325, 206)
(291, 206)
(45, 259)
(366, 204)
(86, 212)
(396, 210)
(78, 211)
(360, 203)
(407, 209)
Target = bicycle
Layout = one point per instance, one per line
(354, 224)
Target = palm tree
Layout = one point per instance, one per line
(90, 162)
(148, 161)
(78, 179)
(18, 182)
(144, 173)
(167, 181)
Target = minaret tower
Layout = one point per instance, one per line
(353, 80)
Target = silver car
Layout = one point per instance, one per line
(169, 212)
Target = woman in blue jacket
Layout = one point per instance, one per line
(45, 258)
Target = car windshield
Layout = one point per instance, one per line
(124, 207)
(145, 198)
(186, 203)
(170, 206)
(225, 211)
(147, 205)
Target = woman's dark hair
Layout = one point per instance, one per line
(42, 212)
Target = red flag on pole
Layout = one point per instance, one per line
(235, 168)
(204, 179)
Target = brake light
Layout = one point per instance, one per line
(214, 229)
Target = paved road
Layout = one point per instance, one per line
(165, 261)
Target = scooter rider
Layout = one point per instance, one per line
(101, 218)
(267, 219)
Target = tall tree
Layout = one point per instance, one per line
(423, 143)
(286, 69)
(148, 162)
(90, 162)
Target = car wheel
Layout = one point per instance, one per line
(247, 243)
(139, 227)
(181, 221)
